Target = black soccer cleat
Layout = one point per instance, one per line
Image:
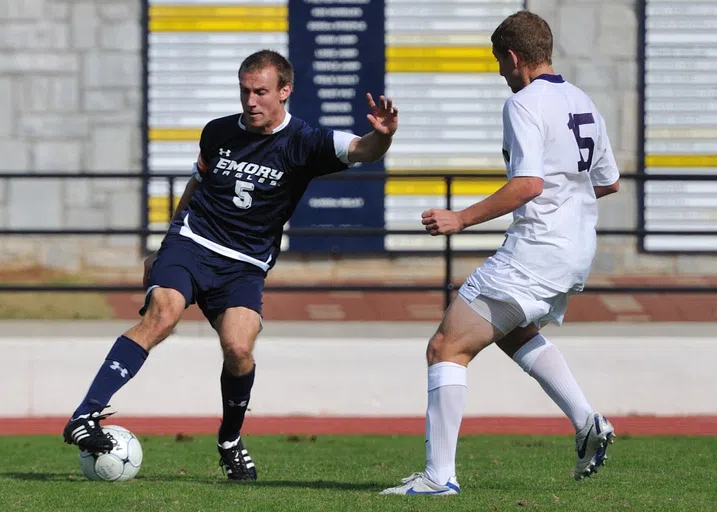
(236, 462)
(85, 432)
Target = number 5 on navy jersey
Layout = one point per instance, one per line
(575, 121)
(243, 199)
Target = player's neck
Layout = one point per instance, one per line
(269, 128)
(544, 69)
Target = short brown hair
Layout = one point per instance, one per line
(528, 35)
(269, 58)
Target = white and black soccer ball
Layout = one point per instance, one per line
(120, 464)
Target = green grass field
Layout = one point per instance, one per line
(345, 473)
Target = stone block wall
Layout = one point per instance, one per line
(71, 100)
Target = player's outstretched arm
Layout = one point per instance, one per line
(508, 198)
(384, 121)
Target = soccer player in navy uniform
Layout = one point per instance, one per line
(225, 236)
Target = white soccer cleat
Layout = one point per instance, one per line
(418, 483)
(591, 443)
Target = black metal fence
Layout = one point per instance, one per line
(448, 286)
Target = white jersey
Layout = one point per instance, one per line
(552, 130)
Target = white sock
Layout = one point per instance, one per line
(543, 361)
(229, 444)
(446, 400)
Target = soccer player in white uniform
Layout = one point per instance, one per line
(559, 162)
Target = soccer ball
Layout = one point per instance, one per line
(121, 464)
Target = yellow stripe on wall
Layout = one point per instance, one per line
(174, 134)
(440, 59)
(681, 161)
(218, 18)
(219, 25)
(159, 208)
(435, 187)
(439, 52)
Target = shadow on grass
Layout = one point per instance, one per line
(272, 484)
(322, 484)
(44, 477)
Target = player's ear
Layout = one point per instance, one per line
(285, 92)
(514, 57)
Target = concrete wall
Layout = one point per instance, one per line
(70, 100)
(181, 378)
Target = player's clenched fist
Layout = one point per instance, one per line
(441, 222)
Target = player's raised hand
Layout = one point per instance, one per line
(384, 116)
(441, 222)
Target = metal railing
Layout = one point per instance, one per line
(447, 287)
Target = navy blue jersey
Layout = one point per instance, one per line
(251, 183)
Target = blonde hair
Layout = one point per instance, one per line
(269, 58)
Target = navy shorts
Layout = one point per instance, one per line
(212, 281)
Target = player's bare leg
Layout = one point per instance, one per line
(122, 363)
(543, 361)
(163, 313)
(460, 337)
(238, 329)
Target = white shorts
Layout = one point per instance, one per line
(508, 298)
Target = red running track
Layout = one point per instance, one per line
(312, 425)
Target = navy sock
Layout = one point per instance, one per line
(123, 361)
(236, 391)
